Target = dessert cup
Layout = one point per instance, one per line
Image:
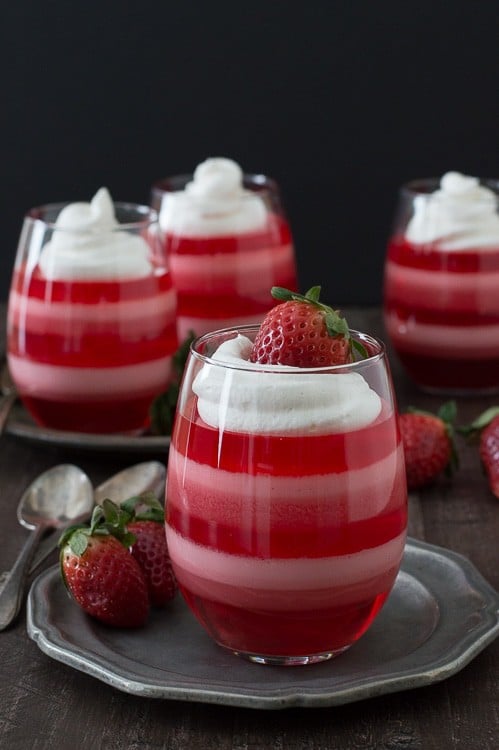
(286, 504)
(228, 242)
(91, 316)
(441, 300)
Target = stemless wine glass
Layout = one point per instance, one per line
(286, 499)
(441, 300)
(91, 322)
(228, 242)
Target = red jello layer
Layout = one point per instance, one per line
(442, 314)
(285, 455)
(276, 232)
(90, 291)
(430, 257)
(287, 496)
(48, 322)
(285, 541)
(117, 415)
(90, 355)
(233, 302)
(286, 545)
(91, 350)
(294, 633)
(455, 292)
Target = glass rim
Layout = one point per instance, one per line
(428, 185)
(378, 356)
(252, 180)
(149, 214)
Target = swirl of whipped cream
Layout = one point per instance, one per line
(213, 203)
(462, 214)
(243, 397)
(87, 243)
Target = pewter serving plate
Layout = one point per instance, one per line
(440, 614)
(22, 426)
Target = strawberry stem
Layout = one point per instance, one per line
(144, 507)
(107, 520)
(480, 422)
(335, 324)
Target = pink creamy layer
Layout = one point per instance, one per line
(452, 342)
(231, 498)
(440, 290)
(144, 315)
(277, 584)
(59, 383)
(191, 271)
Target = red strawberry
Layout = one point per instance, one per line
(428, 444)
(487, 426)
(303, 332)
(101, 574)
(150, 548)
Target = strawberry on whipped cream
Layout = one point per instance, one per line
(441, 281)
(228, 244)
(292, 403)
(286, 499)
(91, 316)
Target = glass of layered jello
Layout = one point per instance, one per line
(441, 293)
(228, 242)
(91, 316)
(286, 497)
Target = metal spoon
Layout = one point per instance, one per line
(62, 493)
(149, 476)
(9, 396)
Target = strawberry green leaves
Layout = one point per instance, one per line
(107, 520)
(335, 324)
(145, 507)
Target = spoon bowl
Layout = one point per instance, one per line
(56, 497)
(148, 476)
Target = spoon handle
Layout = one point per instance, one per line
(12, 593)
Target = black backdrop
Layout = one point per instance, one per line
(340, 100)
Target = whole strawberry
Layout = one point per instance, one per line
(303, 332)
(101, 574)
(149, 548)
(487, 427)
(428, 444)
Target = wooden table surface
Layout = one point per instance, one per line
(47, 705)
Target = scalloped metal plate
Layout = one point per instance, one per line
(21, 425)
(440, 615)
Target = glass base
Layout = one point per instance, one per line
(290, 661)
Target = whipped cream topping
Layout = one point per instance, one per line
(88, 243)
(277, 399)
(462, 214)
(213, 203)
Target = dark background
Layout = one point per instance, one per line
(340, 100)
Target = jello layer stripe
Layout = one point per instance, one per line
(63, 383)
